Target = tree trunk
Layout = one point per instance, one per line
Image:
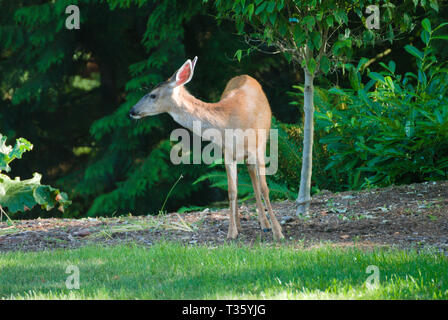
(304, 197)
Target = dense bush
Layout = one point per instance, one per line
(392, 130)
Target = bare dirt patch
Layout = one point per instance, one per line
(411, 216)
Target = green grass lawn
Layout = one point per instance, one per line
(174, 271)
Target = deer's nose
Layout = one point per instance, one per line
(132, 114)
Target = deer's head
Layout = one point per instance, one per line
(161, 98)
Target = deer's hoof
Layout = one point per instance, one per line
(232, 236)
(279, 237)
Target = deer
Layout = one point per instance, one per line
(243, 105)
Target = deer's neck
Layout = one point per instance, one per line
(189, 110)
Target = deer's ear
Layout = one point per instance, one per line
(184, 74)
(193, 63)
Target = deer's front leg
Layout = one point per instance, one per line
(231, 169)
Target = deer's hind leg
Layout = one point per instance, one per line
(276, 228)
(252, 168)
(237, 214)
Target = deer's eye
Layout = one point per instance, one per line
(152, 96)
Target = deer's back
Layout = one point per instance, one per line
(246, 102)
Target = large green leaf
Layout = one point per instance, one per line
(9, 153)
(426, 24)
(21, 195)
(414, 51)
(17, 195)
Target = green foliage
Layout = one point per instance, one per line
(43, 94)
(131, 163)
(8, 153)
(289, 154)
(318, 34)
(394, 129)
(20, 195)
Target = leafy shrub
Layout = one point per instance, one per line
(392, 130)
(20, 195)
